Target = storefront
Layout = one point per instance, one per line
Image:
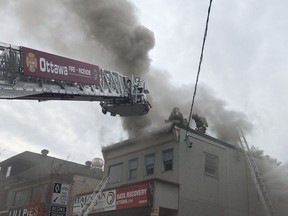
(137, 199)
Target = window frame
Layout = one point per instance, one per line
(146, 164)
(119, 180)
(8, 171)
(167, 163)
(22, 197)
(37, 193)
(211, 165)
(132, 171)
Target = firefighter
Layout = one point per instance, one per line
(177, 117)
(201, 123)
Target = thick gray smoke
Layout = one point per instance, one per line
(108, 32)
(223, 122)
(114, 25)
(277, 183)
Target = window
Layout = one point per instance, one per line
(133, 164)
(167, 160)
(8, 171)
(22, 197)
(115, 173)
(149, 164)
(36, 195)
(211, 165)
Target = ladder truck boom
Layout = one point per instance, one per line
(28, 74)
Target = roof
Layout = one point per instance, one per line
(150, 135)
(208, 137)
(30, 166)
(165, 130)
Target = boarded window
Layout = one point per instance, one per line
(133, 165)
(149, 164)
(115, 173)
(211, 165)
(167, 160)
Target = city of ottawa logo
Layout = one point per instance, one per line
(31, 62)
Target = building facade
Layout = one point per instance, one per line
(161, 174)
(37, 184)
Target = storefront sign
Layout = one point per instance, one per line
(104, 202)
(121, 198)
(133, 196)
(27, 211)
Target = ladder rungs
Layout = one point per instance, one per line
(93, 196)
(260, 186)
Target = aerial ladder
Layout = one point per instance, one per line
(256, 177)
(88, 206)
(28, 74)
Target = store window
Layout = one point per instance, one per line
(149, 164)
(211, 165)
(115, 173)
(167, 160)
(132, 169)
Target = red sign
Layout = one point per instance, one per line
(133, 196)
(49, 66)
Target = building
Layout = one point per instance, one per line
(161, 174)
(37, 184)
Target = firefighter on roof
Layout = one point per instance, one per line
(177, 117)
(201, 123)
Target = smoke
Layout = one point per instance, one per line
(108, 32)
(276, 181)
(115, 26)
(223, 123)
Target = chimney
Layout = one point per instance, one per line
(44, 152)
(88, 164)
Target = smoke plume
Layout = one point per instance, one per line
(115, 26)
(108, 32)
(276, 181)
(223, 123)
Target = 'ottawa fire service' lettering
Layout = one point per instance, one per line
(84, 71)
(46, 66)
(80, 70)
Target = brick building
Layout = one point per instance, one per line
(31, 182)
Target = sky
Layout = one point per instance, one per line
(244, 68)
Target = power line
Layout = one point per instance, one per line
(199, 67)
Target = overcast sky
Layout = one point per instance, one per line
(244, 65)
